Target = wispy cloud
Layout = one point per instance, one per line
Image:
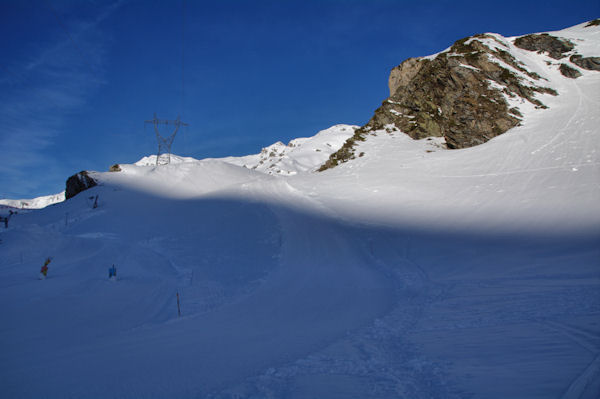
(39, 93)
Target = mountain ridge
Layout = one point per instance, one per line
(412, 271)
(511, 89)
(476, 89)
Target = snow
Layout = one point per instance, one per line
(300, 155)
(34, 203)
(412, 271)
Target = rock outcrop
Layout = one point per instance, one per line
(404, 73)
(569, 71)
(79, 182)
(558, 48)
(460, 95)
(595, 22)
(544, 43)
(465, 94)
(589, 63)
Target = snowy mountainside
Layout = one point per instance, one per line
(187, 176)
(183, 178)
(150, 160)
(299, 155)
(34, 203)
(479, 88)
(546, 169)
(302, 154)
(411, 271)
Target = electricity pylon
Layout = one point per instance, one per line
(163, 156)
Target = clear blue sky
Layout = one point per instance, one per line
(79, 77)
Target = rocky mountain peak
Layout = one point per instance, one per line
(464, 94)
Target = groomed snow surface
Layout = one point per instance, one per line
(409, 272)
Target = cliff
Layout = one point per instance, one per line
(464, 94)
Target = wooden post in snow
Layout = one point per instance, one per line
(178, 307)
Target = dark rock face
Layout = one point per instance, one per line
(545, 43)
(595, 22)
(451, 97)
(79, 182)
(115, 168)
(458, 95)
(569, 72)
(589, 63)
(462, 94)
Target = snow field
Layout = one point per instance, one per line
(410, 272)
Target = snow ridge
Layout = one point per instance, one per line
(34, 203)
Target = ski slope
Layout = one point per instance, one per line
(410, 272)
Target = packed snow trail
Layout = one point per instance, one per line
(289, 315)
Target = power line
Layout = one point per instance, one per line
(183, 69)
(182, 56)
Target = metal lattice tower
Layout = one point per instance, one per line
(163, 156)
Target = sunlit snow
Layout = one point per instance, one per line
(411, 271)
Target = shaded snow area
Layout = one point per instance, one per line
(411, 271)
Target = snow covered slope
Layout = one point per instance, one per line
(299, 155)
(34, 203)
(303, 154)
(412, 271)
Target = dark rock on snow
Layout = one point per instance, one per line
(569, 72)
(461, 93)
(589, 63)
(79, 182)
(545, 43)
(595, 22)
(458, 95)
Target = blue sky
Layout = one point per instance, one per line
(79, 77)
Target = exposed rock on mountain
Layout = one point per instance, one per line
(454, 95)
(469, 93)
(589, 63)
(568, 71)
(595, 22)
(458, 95)
(557, 48)
(545, 43)
(79, 182)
